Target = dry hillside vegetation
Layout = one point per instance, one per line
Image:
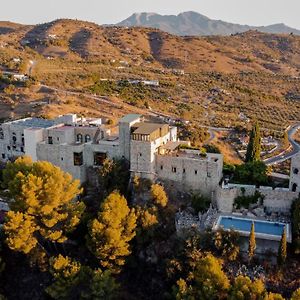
(252, 74)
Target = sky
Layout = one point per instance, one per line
(250, 12)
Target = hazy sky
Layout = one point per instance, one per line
(252, 12)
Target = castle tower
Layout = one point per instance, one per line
(125, 125)
(295, 174)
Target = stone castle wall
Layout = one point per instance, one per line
(278, 200)
(189, 174)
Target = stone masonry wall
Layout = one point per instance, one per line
(278, 200)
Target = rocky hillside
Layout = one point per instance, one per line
(192, 23)
(76, 40)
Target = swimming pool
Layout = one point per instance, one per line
(263, 229)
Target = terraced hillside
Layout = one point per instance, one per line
(220, 81)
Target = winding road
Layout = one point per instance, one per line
(287, 154)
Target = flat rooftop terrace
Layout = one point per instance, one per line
(193, 155)
(34, 123)
(148, 128)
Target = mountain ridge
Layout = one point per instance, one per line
(191, 23)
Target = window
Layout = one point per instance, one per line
(23, 141)
(183, 171)
(14, 147)
(87, 138)
(99, 158)
(3, 155)
(61, 158)
(50, 140)
(296, 171)
(208, 174)
(294, 187)
(14, 138)
(161, 167)
(79, 138)
(140, 154)
(22, 149)
(174, 169)
(1, 134)
(78, 159)
(57, 139)
(196, 172)
(8, 148)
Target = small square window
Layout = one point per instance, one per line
(50, 140)
(78, 159)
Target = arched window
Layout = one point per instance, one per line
(14, 139)
(79, 138)
(87, 138)
(294, 187)
(296, 171)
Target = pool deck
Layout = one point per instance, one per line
(263, 236)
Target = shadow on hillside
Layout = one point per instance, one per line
(79, 42)
(5, 30)
(156, 42)
(37, 32)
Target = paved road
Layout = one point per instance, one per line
(287, 155)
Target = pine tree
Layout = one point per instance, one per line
(252, 243)
(159, 195)
(211, 281)
(43, 208)
(111, 232)
(74, 281)
(254, 146)
(244, 288)
(282, 250)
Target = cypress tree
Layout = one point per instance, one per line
(254, 146)
(282, 252)
(252, 243)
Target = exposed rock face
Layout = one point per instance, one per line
(192, 23)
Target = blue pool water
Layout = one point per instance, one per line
(245, 225)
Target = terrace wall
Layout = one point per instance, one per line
(278, 200)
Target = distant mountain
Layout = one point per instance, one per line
(195, 24)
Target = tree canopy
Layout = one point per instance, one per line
(254, 146)
(255, 172)
(111, 232)
(282, 250)
(74, 281)
(244, 288)
(159, 195)
(44, 206)
(252, 242)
